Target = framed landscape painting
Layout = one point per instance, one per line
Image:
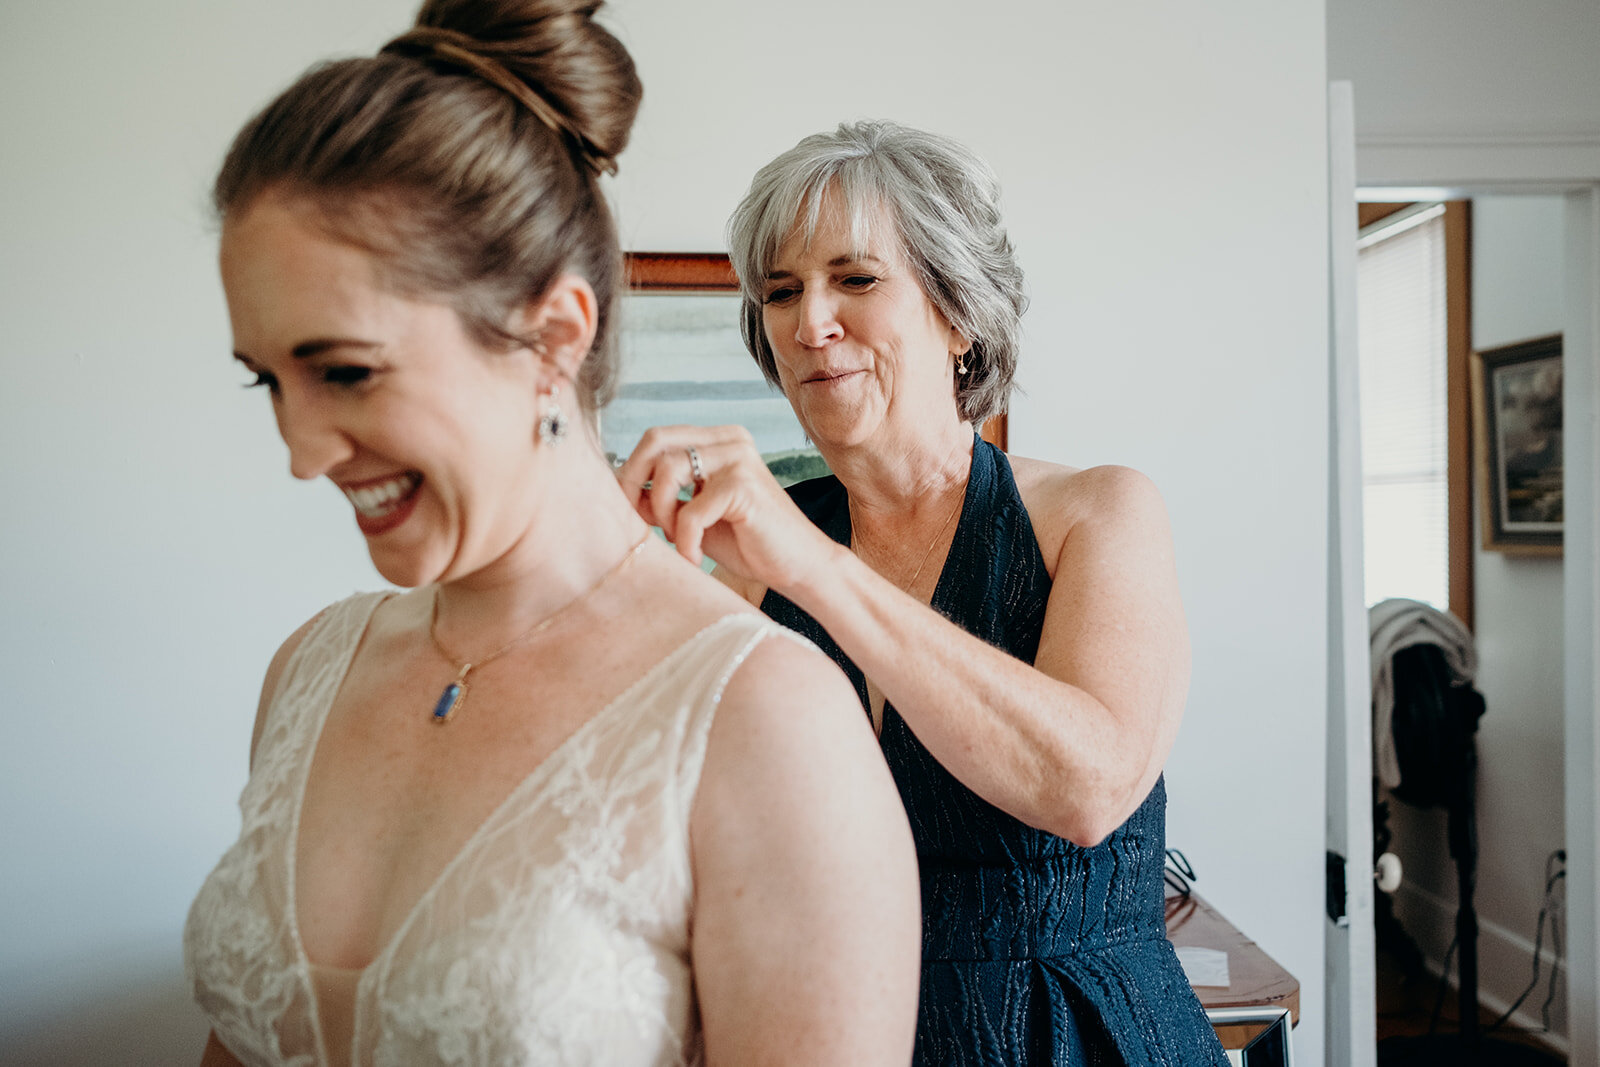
(1517, 403)
(683, 362)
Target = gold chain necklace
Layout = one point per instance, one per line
(948, 519)
(455, 693)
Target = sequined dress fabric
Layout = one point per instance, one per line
(1034, 950)
(559, 934)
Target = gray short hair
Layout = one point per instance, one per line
(944, 203)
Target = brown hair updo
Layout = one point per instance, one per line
(465, 157)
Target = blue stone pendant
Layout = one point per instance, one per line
(449, 700)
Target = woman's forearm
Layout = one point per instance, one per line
(1042, 749)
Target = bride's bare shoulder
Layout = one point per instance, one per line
(786, 697)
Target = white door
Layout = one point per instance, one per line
(1581, 574)
(1351, 982)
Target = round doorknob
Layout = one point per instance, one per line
(1387, 872)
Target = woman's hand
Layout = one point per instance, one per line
(738, 515)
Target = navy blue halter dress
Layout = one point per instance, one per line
(1034, 950)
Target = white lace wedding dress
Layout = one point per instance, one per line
(558, 935)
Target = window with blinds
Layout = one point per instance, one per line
(1401, 297)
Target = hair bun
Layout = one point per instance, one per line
(555, 48)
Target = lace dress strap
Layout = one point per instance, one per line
(239, 947)
(732, 639)
(312, 676)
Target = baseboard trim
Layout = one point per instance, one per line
(1430, 919)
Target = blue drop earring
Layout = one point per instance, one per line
(553, 422)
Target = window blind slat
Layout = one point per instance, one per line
(1401, 302)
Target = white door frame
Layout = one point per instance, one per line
(1351, 991)
(1581, 592)
(1462, 170)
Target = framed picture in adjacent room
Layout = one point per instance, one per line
(1517, 409)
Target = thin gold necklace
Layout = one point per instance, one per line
(455, 693)
(948, 519)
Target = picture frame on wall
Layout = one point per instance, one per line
(1517, 409)
(683, 361)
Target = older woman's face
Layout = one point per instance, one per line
(861, 351)
(428, 435)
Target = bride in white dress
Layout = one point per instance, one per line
(565, 800)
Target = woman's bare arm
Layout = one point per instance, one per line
(1071, 743)
(807, 931)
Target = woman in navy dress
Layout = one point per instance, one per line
(1027, 715)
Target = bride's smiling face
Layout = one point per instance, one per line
(428, 433)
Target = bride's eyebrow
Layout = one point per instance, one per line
(314, 347)
(318, 345)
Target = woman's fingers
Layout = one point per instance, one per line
(694, 517)
(662, 498)
(649, 479)
(662, 465)
(659, 441)
(737, 514)
(671, 444)
(723, 507)
(636, 473)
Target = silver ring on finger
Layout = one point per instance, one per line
(696, 470)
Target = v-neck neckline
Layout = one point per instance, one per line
(843, 533)
(537, 774)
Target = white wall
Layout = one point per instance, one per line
(1165, 182)
(1478, 92)
(155, 550)
(1517, 294)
